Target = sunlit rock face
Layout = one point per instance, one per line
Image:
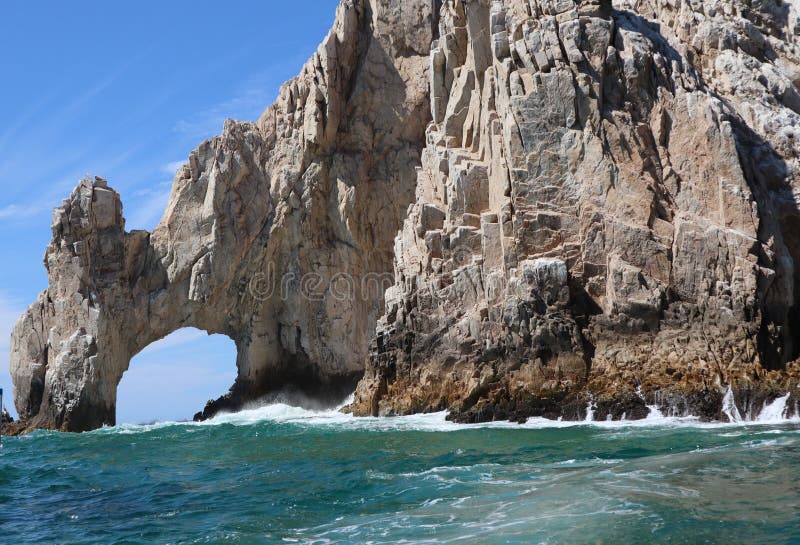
(577, 205)
(260, 219)
(605, 213)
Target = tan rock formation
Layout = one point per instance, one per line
(259, 222)
(607, 201)
(603, 209)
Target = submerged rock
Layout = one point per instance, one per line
(603, 214)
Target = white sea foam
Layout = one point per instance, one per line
(653, 411)
(729, 407)
(774, 411)
(282, 413)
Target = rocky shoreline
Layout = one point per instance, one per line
(749, 399)
(502, 394)
(12, 427)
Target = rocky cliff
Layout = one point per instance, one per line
(260, 222)
(596, 206)
(605, 214)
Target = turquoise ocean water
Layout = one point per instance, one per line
(280, 474)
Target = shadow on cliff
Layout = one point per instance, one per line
(767, 175)
(296, 380)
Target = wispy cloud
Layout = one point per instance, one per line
(18, 212)
(24, 119)
(10, 311)
(147, 206)
(180, 337)
(57, 119)
(164, 390)
(43, 203)
(209, 121)
(173, 166)
(92, 92)
(176, 376)
(52, 190)
(253, 96)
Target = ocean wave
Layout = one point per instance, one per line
(282, 413)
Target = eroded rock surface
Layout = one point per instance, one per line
(319, 184)
(606, 213)
(603, 215)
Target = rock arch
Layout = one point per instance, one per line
(318, 185)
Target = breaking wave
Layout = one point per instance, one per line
(773, 413)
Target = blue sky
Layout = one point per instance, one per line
(126, 91)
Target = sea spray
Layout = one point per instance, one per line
(590, 407)
(775, 410)
(654, 413)
(285, 414)
(729, 407)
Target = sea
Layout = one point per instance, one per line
(279, 474)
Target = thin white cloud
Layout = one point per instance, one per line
(174, 377)
(160, 390)
(62, 115)
(145, 211)
(254, 96)
(51, 193)
(44, 203)
(209, 122)
(46, 198)
(24, 119)
(18, 211)
(57, 120)
(10, 311)
(178, 338)
(172, 167)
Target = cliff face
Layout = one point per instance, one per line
(602, 208)
(319, 184)
(606, 213)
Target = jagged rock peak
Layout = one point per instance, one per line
(317, 186)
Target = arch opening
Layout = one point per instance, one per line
(175, 376)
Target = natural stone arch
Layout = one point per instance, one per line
(319, 185)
